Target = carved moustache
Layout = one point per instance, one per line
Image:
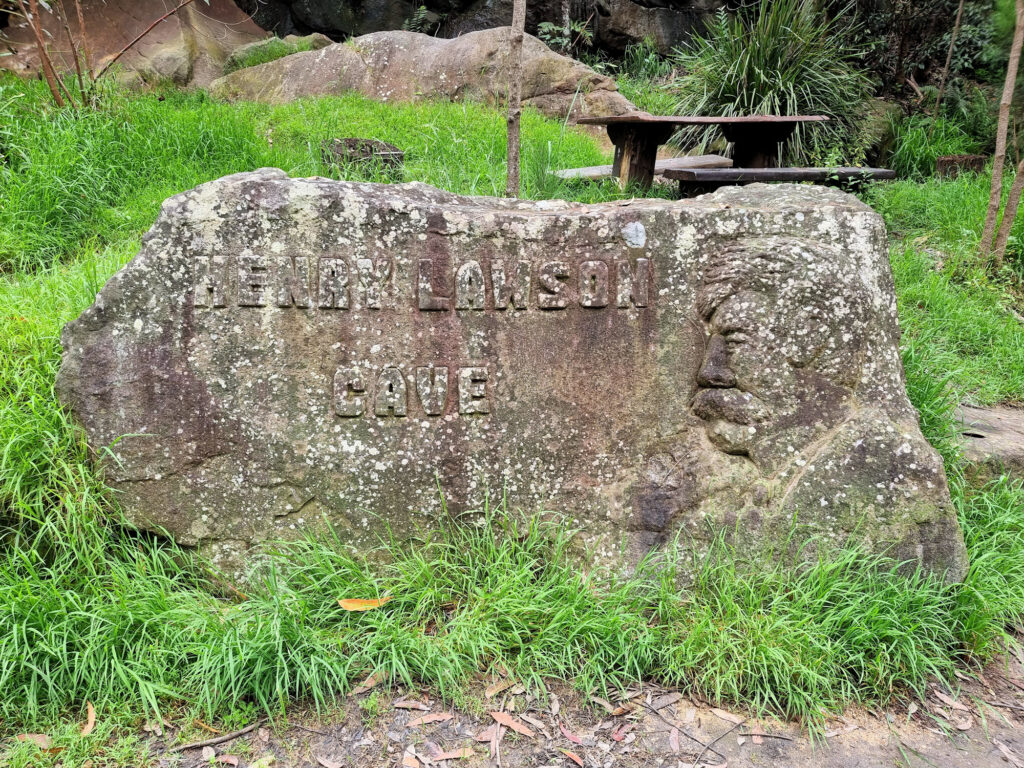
(731, 405)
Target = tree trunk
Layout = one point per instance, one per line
(32, 18)
(998, 162)
(567, 27)
(1009, 216)
(515, 93)
(949, 61)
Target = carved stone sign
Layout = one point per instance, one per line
(285, 351)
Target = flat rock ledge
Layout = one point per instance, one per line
(285, 353)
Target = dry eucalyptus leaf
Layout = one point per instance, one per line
(90, 719)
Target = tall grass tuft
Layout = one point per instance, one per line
(779, 58)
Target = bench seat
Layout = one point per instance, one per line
(722, 176)
(661, 167)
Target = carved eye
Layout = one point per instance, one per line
(735, 338)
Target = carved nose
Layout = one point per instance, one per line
(715, 371)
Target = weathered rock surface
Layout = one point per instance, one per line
(616, 23)
(188, 48)
(993, 441)
(286, 350)
(408, 66)
(313, 42)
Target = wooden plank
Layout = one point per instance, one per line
(739, 175)
(600, 172)
(645, 119)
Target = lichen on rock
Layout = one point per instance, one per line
(288, 353)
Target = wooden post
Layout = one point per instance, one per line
(515, 94)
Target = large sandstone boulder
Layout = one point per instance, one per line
(284, 352)
(616, 23)
(408, 66)
(187, 48)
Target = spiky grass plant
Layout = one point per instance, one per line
(783, 57)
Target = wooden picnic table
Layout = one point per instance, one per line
(637, 136)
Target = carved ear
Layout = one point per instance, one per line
(808, 335)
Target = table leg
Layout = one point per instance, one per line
(636, 152)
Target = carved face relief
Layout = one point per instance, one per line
(783, 355)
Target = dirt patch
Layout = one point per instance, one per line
(499, 723)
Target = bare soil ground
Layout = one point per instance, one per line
(979, 725)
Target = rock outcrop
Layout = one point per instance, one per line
(284, 352)
(409, 66)
(616, 23)
(189, 48)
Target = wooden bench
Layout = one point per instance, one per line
(692, 179)
(601, 172)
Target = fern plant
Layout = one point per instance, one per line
(778, 58)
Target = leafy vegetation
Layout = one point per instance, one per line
(268, 50)
(919, 140)
(778, 58)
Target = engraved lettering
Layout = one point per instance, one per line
(332, 288)
(514, 290)
(633, 285)
(373, 275)
(252, 280)
(427, 300)
(473, 391)
(555, 295)
(391, 397)
(432, 388)
(348, 391)
(469, 286)
(208, 282)
(594, 284)
(293, 282)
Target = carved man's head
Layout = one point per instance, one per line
(787, 337)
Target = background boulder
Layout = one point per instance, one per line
(189, 48)
(409, 66)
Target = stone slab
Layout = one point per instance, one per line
(287, 352)
(994, 440)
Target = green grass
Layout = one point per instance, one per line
(961, 319)
(919, 140)
(100, 176)
(90, 610)
(269, 50)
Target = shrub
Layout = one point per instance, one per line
(269, 50)
(780, 58)
(919, 140)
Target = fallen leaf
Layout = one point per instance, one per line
(366, 685)
(673, 740)
(1008, 754)
(689, 715)
(410, 704)
(572, 756)
(487, 734)
(263, 734)
(410, 761)
(620, 733)
(604, 704)
(363, 605)
(569, 734)
(511, 722)
(458, 754)
(518, 690)
(208, 728)
(740, 741)
(912, 709)
(727, 716)
(208, 753)
(41, 740)
(263, 762)
(951, 702)
(555, 706)
(757, 738)
(840, 731)
(964, 723)
(329, 763)
(227, 759)
(434, 717)
(622, 709)
(90, 719)
(663, 701)
(496, 688)
(534, 721)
